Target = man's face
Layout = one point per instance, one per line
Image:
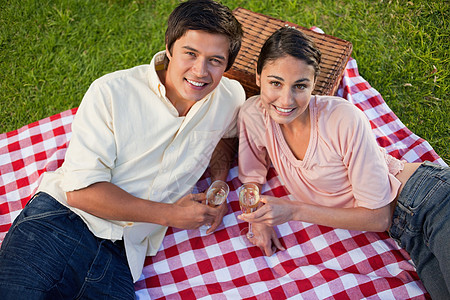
(197, 63)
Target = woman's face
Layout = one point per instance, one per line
(286, 85)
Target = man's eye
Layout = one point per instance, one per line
(216, 62)
(275, 83)
(300, 86)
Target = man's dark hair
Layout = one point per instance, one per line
(208, 16)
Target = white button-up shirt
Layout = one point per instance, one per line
(127, 132)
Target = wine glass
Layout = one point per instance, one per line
(249, 201)
(216, 195)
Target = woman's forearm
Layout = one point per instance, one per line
(358, 218)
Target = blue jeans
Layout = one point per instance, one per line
(49, 253)
(421, 225)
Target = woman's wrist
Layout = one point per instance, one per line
(297, 209)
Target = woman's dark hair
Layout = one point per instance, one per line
(289, 41)
(208, 16)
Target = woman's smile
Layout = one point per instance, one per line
(286, 87)
(283, 110)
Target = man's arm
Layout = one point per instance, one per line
(219, 166)
(108, 201)
(222, 158)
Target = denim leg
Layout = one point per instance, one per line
(49, 253)
(421, 225)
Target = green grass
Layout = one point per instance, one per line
(50, 51)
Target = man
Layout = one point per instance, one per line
(141, 139)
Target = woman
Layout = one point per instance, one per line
(324, 150)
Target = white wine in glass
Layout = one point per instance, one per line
(217, 193)
(249, 201)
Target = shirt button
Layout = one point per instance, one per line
(396, 221)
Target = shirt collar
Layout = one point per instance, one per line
(154, 82)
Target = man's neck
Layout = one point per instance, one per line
(182, 107)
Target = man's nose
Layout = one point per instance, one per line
(200, 67)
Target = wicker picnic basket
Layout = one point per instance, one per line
(258, 27)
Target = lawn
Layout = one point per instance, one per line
(50, 51)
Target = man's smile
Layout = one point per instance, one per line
(196, 83)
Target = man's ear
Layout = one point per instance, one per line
(258, 78)
(169, 56)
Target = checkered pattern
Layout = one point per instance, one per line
(390, 132)
(24, 155)
(319, 262)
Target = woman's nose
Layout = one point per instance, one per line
(287, 97)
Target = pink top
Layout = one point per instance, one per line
(343, 164)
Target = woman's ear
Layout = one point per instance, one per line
(258, 80)
(315, 81)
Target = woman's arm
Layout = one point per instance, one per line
(276, 211)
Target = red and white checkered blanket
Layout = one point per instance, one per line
(319, 262)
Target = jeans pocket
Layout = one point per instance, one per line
(35, 251)
(100, 264)
(100, 282)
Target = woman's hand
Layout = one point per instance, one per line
(275, 211)
(266, 239)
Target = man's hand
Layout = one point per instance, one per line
(221, 212)
(266, 239)
(190, 212)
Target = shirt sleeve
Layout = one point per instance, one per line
(254, 160)
(237, 92)
(91, 153)
(372, 184)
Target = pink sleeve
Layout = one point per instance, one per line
(395, 165)
(253, 158)
(372, 184)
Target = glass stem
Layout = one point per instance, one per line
(250, 232)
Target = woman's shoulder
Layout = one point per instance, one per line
(253, 106)
(252, 102)
(333, 103)
(337, 109)
(252, 114)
